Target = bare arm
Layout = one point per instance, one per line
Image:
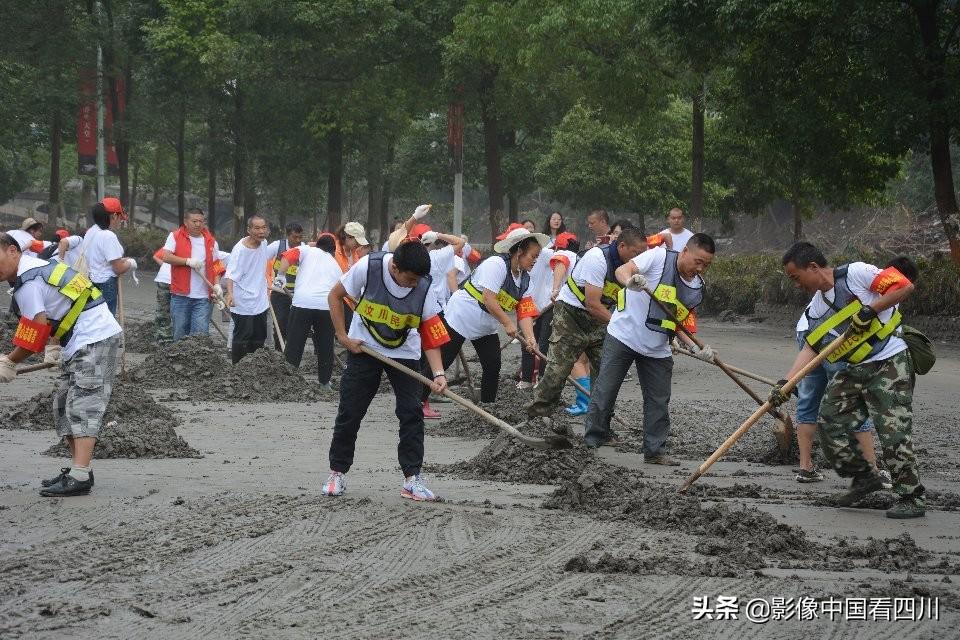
(170, 258)
(490, 301)
(892, 298)
(625, 271)
(120, 266)
(452, 280)
(455, 241)
(593, 304)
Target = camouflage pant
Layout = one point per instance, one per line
(161, 318)
(83, 389)
(882, 390)
(574, 332)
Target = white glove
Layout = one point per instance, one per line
(51, 354)
(421, 212)
(218, 290)
(221, 304)
(133, 264)
(429, 237)
(279, 282)
(707, 354)
(133, 271)
(675, 346)
(637, 282)
(8, 369)
(195, 263)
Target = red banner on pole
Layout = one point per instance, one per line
(455, 123)
(87, 129)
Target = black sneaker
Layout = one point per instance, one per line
(663, 459)
(860, 488)
(63, 471)
(67, 486)
(907, 508)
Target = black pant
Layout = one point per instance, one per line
(542, 331)
(249, 334)
(301, 321)
(488, 351)
(281, 306)
(358, 386)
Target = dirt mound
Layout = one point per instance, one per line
(135, 426)
(659, 564)
(140, 337)
(181, 364)
(262, 376)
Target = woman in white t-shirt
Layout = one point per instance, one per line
(501, 282)
(101, 250)
(317, 273)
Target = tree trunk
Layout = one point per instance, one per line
(696, 171)
(334, 179)
(374, 189)
(239, 161)
(513, 207)
(86, 201)
(133, 190)
(491, 152)
(385, 192)
(53, 204)
(211, 177)
(250, 201)
(181, 163)
(155, 205)
(797, 222)
(938, 122)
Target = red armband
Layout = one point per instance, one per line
(292, 255)
(890, 279)
(218, 268)
(690, 322)
(557, 259)
(655, 240)
(31, 335)
(527, 308)
(433, 333)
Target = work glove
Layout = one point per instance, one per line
(8, 369)
(675, 346)
(421, 212)
(429, 237)
(861, 322)
(218, 291)
(279, 282)
(133, 264)
(707, 354)
(51, 354)
(133, 271)
(636, 282)
(777, 396)
(221, 305)
(195, 263)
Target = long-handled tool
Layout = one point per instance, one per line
(752, 420)
(582, 389)
(35, 367)
(738, 370)
(466, 372)
(219, 299)
(784, 428)
(123, 330)
(276, 326)
(549, 441)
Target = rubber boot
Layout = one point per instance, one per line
(579, 407)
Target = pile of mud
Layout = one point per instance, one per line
(181, 364)
(140, 337)
(508, 460)
(135, 426)
(670, 564)
(262, 376)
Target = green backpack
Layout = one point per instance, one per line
(921, 349)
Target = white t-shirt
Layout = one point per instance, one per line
(860, 277)
(803, 323)
(629, 326)
(355, 281)
(541, 279)
(317, 273)
(100, 247)
(198, 288)
(36, 297)
(247, 269)
(72, 254)
(274, 246)
(590, 269)
(441, 263)
(679, 239)
(463, 270)
(463, 312)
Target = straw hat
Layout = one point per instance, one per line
(517, 236)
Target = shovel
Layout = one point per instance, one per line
(547, 442)
(738, 370)
(752, 420)
(219, 298)
(35, 367)
(466, 372)
(783, 432)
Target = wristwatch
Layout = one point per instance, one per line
(437, 374)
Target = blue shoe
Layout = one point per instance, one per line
(579, 407)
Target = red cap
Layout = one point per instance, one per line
(113, 206)
(62, 233)
(513, 225)
(474, 258)
(418, 230)
(562, 241)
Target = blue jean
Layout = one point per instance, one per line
(811, 389)
(109, 290)
(190, 316)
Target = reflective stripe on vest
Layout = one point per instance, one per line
(291, 272)
(389, 319)
(75, 286)
(611, 288)
(676, 294)
(510, 292)
(845, 305)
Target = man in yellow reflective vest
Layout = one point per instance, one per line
(878, 381)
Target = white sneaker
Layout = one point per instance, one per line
(414, 489)
(887, 479)
(335, 485)
(523, 384)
